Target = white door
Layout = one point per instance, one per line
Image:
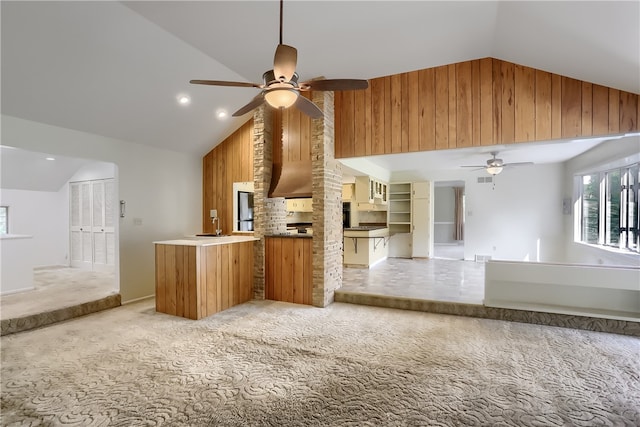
(422, 209)
(92, 224)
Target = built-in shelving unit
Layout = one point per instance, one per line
(400, 207)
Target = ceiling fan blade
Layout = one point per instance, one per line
(472, 166)
(335, 84)
(255, 102)
(517, 164)
(308, 107)
(284, 62)
(224, 83)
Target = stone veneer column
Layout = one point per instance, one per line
(327, 205)
(269, 215)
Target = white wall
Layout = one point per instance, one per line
(521, 217)
(162, 188)
(610, 154)
(43, 215)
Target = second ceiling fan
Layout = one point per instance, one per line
(280, 87)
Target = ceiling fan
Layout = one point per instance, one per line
(494, 165)
(280, 87)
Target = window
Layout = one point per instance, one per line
(4, 219)
(609, 208)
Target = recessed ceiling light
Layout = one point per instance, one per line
(222, 114)
(50, 158)
(184, 100)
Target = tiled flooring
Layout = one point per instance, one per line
(449, 251)
(428, 279)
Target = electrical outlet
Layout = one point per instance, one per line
(137, 221)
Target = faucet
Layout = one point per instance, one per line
(213, 221)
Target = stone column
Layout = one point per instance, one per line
(269, 215)
(327, 205)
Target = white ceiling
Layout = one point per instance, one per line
(116, 68)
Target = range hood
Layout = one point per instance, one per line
(291, 179)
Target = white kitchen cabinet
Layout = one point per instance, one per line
(300, 205)
(422, 225)
(370, 190)
(347, 192)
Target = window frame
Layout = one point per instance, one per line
(6, 215)
(628, 237)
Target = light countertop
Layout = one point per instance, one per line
(207, 241)
(375, 232)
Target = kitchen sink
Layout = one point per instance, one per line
(211, 235)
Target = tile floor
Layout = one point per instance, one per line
(428, 279)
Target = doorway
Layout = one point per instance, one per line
(449, 221)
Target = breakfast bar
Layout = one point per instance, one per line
(199, 276)
(365, 246)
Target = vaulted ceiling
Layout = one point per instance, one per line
(116, 68)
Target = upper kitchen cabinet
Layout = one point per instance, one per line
(347, 192)
(299, 205)
(371, 190)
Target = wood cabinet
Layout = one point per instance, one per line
(475, 103)
(289, 269)
(196, 281)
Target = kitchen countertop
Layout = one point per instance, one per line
(366, 232)
(292, 235)
(207, 241)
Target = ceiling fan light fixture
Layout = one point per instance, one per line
(494, 170)
(281, 97)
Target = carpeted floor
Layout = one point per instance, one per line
(276, 364)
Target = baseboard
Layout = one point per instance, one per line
(17, 291)
(131, 301)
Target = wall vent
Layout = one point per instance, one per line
(482, 258)
(485, 179)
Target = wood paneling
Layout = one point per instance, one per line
(427, 109)
(463, 103)
(628, 112)
(480, 102)
(442, 107)
(230, 161)
(525, 95)
(196, 282)
(571, 107)
(587, 118)
(289, 269)
(486, 102)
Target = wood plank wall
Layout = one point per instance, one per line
(475, 103)
(289, 269)
(196, 282)
(230, 161)
(294, 129)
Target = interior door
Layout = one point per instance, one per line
(92, 224)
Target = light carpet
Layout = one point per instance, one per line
(276, 364)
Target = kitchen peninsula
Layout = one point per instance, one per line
(199, 276)
(365, 246)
